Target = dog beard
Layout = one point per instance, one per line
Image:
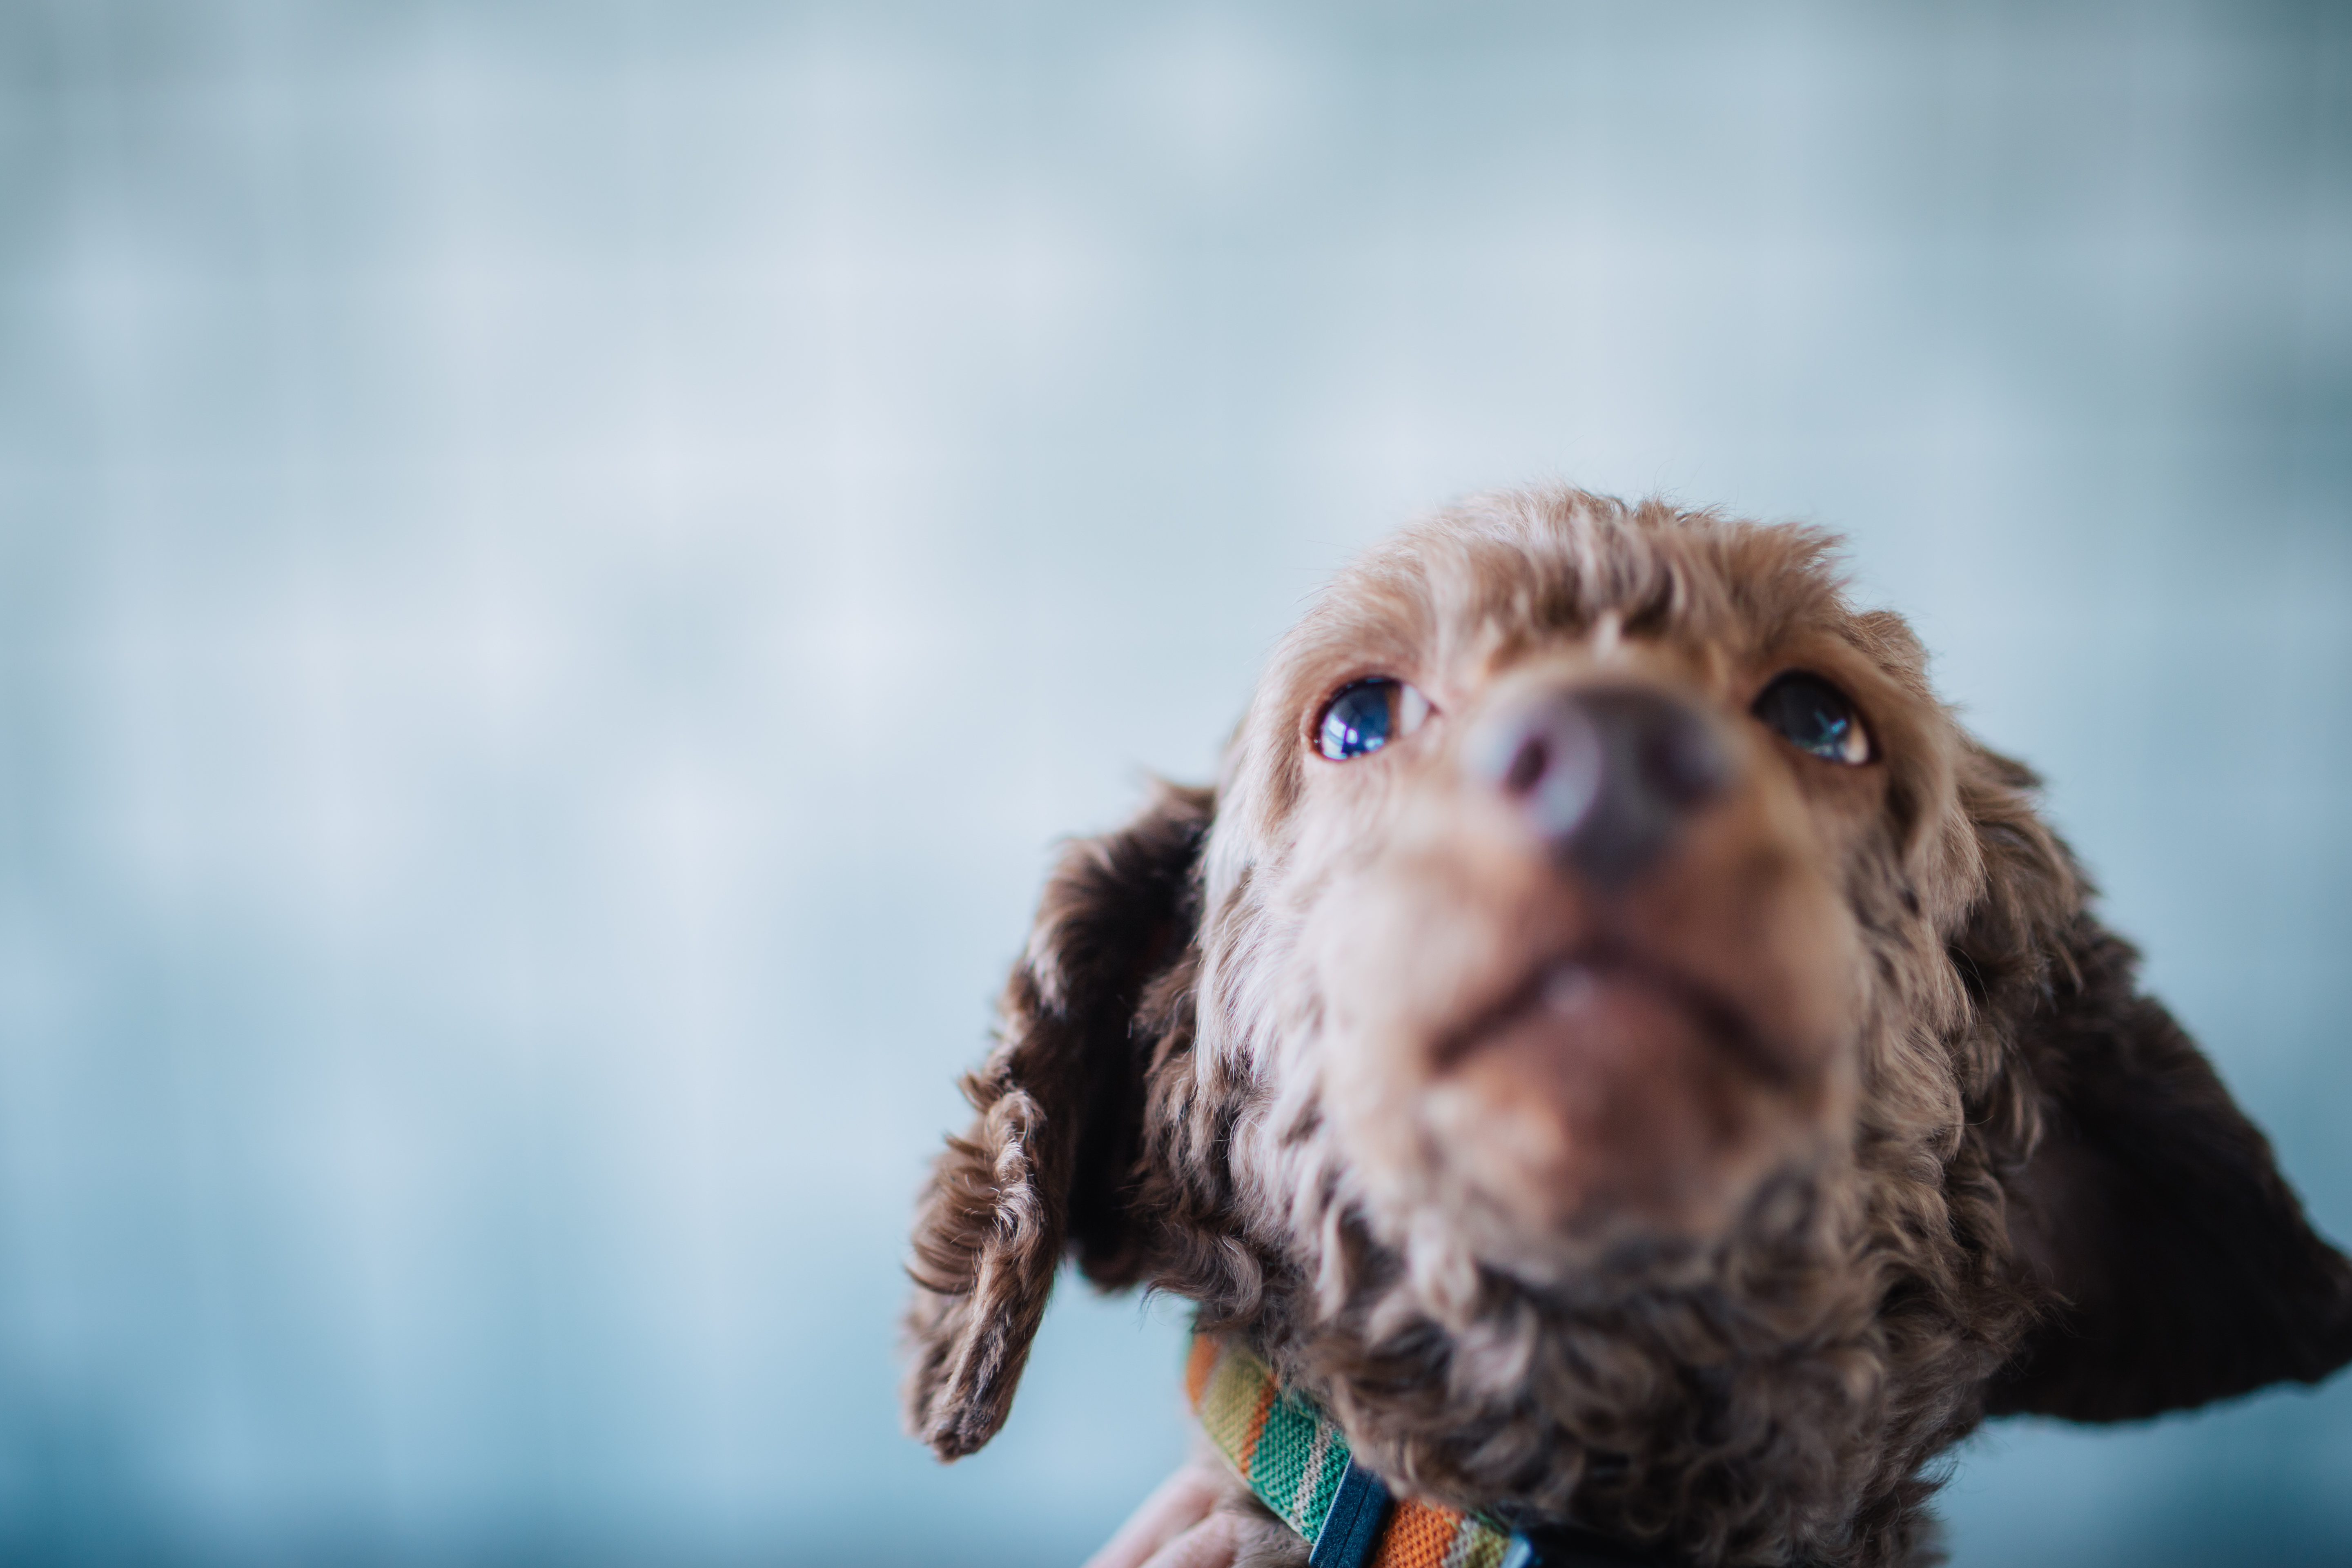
(1620, 1389)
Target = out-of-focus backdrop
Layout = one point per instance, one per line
(562, 566)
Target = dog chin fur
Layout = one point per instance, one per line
(1274, 1047)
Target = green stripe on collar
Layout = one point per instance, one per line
(1296, 1459)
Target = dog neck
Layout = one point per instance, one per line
(1296, 1461)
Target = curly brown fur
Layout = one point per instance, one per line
(1857, 1124)
(1059, 1104)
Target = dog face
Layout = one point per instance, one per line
(1559, 882)
(1618, 1043)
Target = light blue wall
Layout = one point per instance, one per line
(562, 566)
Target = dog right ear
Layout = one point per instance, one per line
(1060, 1103)
(2184, 1266)
(2178, 1264)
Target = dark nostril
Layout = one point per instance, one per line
(1527, 766)
(1683, 760)
(1547, 758)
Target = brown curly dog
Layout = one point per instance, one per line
(1614, 1045)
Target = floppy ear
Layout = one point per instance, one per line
(1060, 1104)
(2182, 1266)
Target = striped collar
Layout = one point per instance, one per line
(1297, 1460)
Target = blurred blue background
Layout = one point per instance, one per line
(563, 565)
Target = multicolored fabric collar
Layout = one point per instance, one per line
(1297, 1460)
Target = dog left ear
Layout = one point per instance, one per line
(2151, 1208)
(1060, 1103)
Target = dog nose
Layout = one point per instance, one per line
(1606, 776)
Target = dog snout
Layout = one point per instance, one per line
(1605, 776)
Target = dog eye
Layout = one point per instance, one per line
(1816, 717)
(1367, 715)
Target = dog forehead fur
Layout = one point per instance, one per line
(2011, 1183)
